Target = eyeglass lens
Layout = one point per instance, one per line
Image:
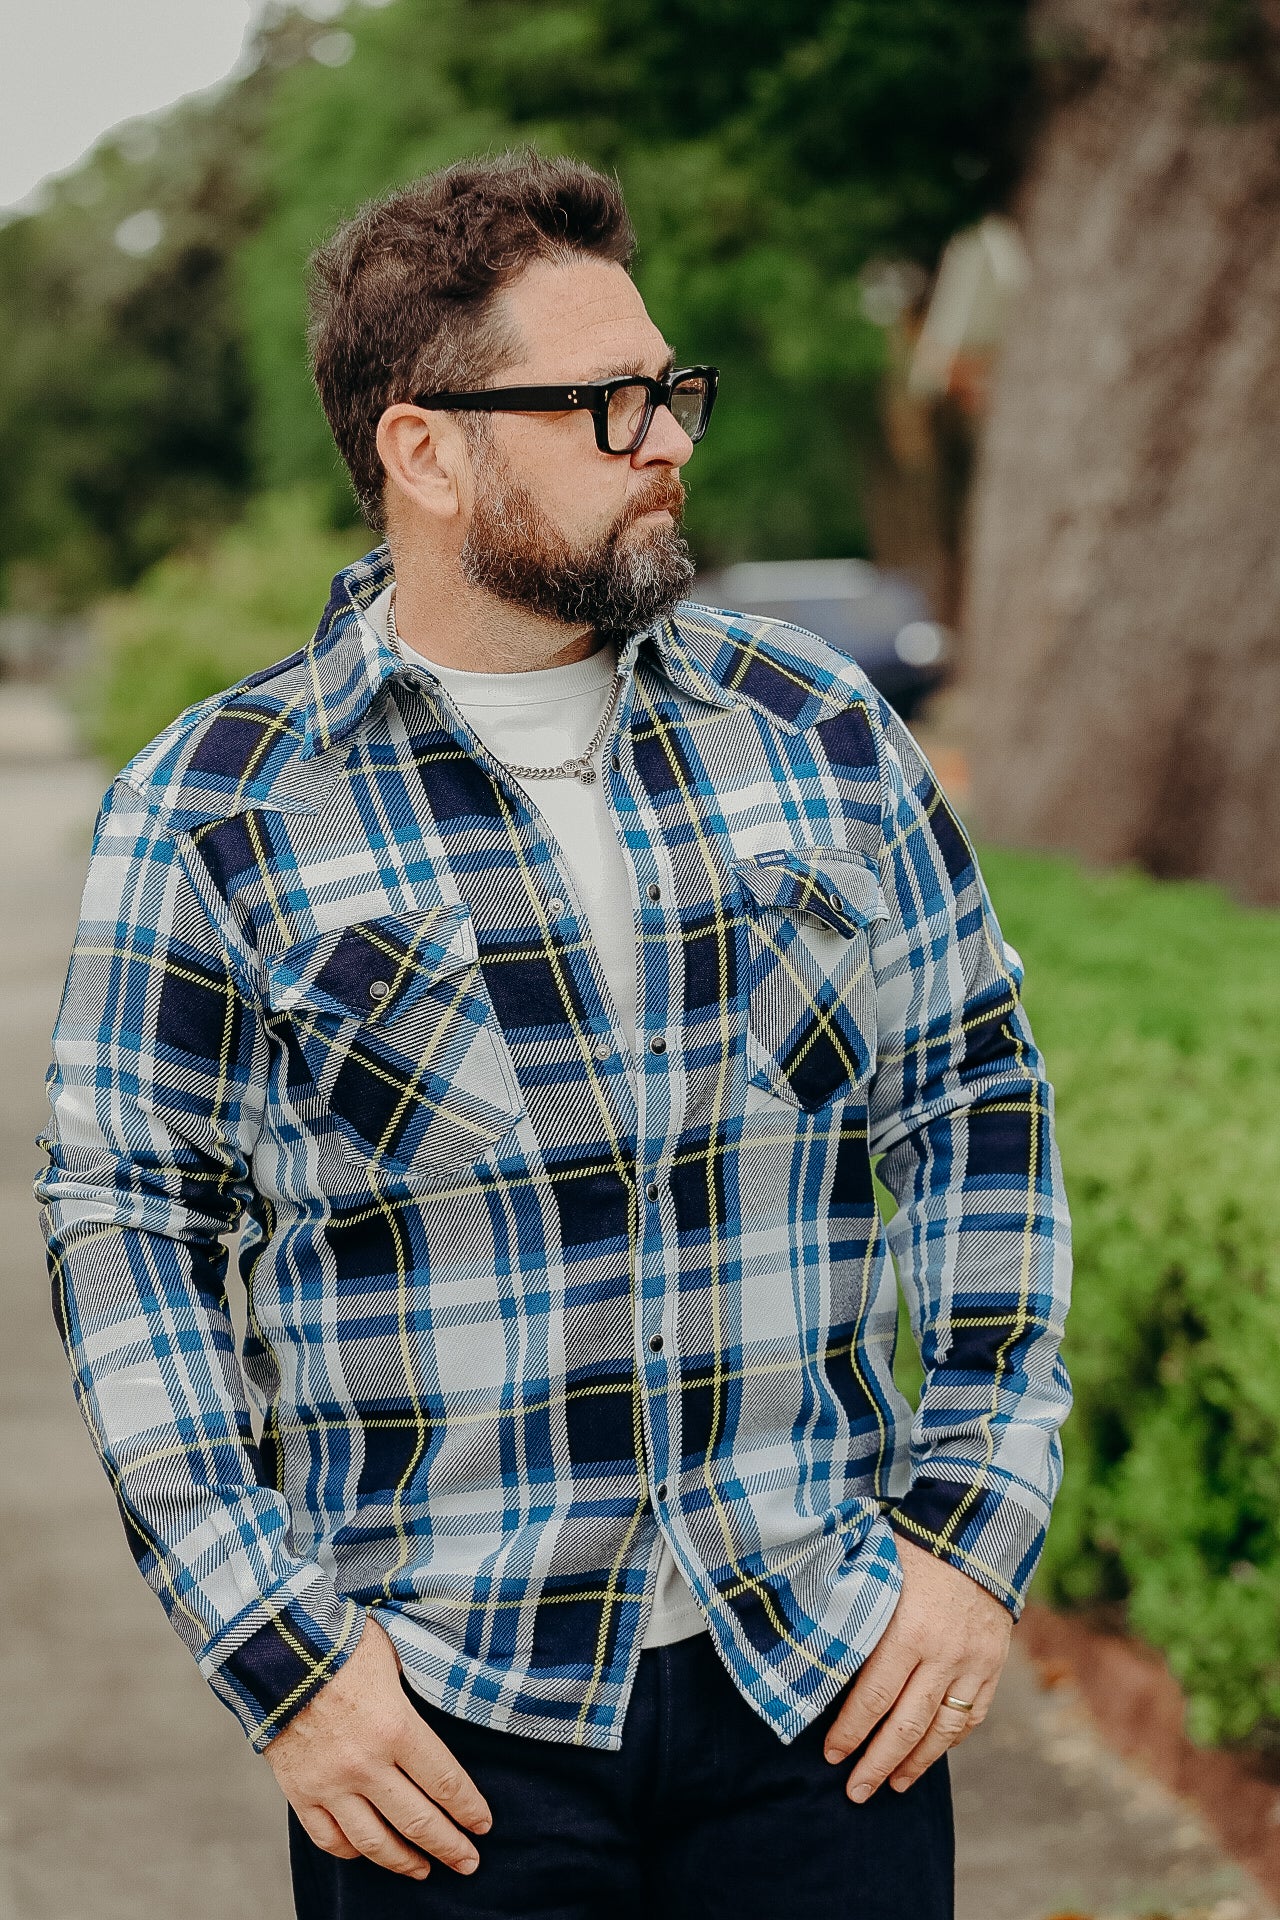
(689, 405)
(628, 417)
(629, 411)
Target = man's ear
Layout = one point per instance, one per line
(426, 459)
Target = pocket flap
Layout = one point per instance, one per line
(375, 969)
(840, 889)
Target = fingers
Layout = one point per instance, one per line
(326, 1833)
(428, 1762)
(370, 1834)
(901, 1732)
(392, 1822)
(949, 1727)
(946, 1635)
(366, 1775)
(418, 1820)
(872, 1695)
(388, 1795)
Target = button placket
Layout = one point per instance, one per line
(652, 897)
(654, 1342)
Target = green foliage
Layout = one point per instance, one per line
(770, 149)
(198, 623)
(124, 394)
(781, 474)
(1155, 1004)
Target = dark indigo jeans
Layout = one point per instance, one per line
(702, 1815)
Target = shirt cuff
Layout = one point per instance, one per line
(275, 1657)
(992, 1538)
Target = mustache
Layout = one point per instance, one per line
(665, 490)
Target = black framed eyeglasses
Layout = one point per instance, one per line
(622, 409)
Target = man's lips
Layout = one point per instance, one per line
(671, 503)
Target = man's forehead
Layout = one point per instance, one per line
(587, 312)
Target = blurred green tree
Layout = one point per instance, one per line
(125, 401)
(770, 150)
(124, 395)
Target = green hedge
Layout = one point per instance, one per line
(201, 621)
(1155, 1004)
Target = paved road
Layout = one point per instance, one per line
(127, 1791)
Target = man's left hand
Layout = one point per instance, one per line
(948, 1638)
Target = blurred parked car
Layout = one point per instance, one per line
(880, 619)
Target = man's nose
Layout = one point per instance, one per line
(666, 442)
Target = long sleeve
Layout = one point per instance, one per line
(962, 1114)
(159, 1064)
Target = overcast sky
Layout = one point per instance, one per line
(70, 69)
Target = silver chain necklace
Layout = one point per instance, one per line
(580, 766)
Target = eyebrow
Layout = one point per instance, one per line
(616, 370)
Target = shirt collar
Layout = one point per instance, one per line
(671, 646)
(350, 661)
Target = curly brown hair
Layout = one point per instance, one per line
(403, 295)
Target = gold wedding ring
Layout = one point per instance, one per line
(961, 1706)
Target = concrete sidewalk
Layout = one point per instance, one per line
(127, 1791)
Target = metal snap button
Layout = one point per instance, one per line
(651, 1191)
(836, 901)
(655, 1343)
(661, 1489)
(615, 763)
(653, 890)
(555, 908)
(379, 989)
(657, 1044)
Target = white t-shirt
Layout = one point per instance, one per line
(537, 720)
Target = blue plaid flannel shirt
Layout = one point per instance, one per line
(521, 1295)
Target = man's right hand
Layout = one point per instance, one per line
(365, 1775)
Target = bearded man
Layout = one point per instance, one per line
(534, 967)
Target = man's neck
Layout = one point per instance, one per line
(441, 617)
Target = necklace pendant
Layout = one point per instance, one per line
(586, 774)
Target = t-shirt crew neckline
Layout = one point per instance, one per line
(536, 686)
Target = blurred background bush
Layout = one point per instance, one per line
(849, 205)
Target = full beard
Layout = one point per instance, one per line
(618, 583)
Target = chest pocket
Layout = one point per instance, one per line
(397, 1032)
(811, 1013)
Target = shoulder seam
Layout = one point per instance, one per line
(876, 722)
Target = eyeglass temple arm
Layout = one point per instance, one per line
(587, 395)
(512, 399)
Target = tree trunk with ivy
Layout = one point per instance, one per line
(1122, 657)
